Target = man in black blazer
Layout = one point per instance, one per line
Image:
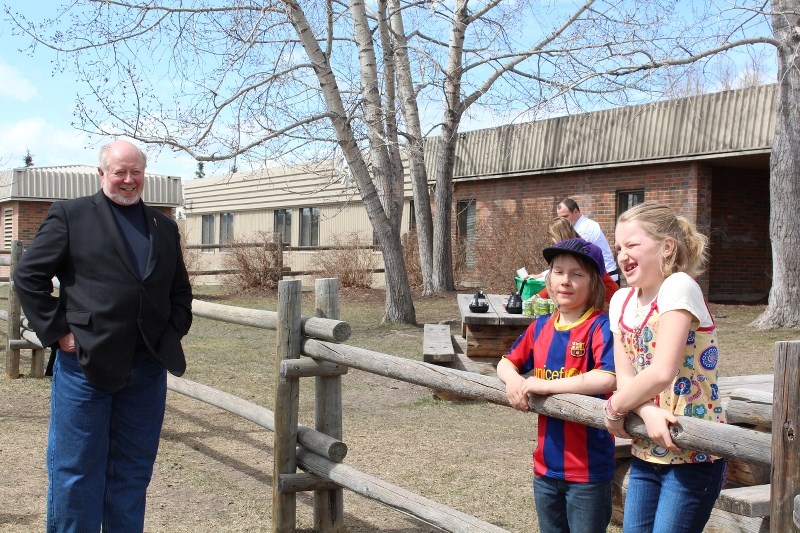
(123, 306)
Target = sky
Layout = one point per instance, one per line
(36, 110)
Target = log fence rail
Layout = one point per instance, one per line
(311, 347)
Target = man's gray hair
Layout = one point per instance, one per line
(103, 156)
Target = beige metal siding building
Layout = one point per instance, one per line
(65, 182)
(312, 204)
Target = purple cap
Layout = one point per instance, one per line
(579, 247)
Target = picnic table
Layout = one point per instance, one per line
(492, 333)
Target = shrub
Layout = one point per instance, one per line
(191, 256)
(350, 259)
(256, 263)
(411, 259)
(507, 241)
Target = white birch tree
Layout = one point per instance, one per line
(281, 80)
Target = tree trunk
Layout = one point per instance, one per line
(783, 309)
(399, 304)
(454, 108)
(442, 225)
(374, 115)
(416, 155)
(396, 182)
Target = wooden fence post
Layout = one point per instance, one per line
(785, 477)
(14, 312)
(287, 405)
(279, 255)
(328, 504)
(37, 362)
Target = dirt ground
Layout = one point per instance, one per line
(214, 471)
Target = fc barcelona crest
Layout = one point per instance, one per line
(577, 349)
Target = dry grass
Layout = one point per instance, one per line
(214, 471)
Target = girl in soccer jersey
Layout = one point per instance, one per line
(665, 349)
(568, 351)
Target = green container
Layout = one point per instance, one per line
(532, 286)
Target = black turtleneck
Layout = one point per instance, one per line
(133, 226)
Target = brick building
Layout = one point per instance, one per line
(705, 156)
(27, 193)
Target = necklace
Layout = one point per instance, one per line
(641, 333)
(641, 315)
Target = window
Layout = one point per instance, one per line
(465, 230)
(412, 217)
(282, 224)
(8, 227)
(309, 226)
(225, 228)
(208, 232)
(628, 199)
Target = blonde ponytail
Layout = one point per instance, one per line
(661, 223)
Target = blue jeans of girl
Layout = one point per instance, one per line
(671, 498)
(101, 447)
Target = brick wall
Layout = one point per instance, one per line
(28, 216)
(741, 265)
(695, 190)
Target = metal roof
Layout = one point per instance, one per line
(707, 126)
(697, 127)
(64, 182)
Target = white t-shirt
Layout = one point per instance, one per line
(679, 291)
(590, 230)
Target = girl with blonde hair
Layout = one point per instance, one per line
(665, 355)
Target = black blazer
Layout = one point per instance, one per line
(102, 300)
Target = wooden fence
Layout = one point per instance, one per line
(5, 261)
(311, 347)
(285, 271)
(18, 337)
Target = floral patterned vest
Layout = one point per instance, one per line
(694, 390)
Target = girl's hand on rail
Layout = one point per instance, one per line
(657, 421)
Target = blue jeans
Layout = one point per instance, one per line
(671, 498)
(569, 507)
(101, 447)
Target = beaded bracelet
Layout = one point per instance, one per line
(610, 413)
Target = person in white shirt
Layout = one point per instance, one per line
(589, 230)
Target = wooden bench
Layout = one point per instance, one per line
(437, 344)
(750, 501)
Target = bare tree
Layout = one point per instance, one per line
(285, 81)
(783, 309)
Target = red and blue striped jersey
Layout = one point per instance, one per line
(568, 450)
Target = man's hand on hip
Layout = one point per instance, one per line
(67, 343)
